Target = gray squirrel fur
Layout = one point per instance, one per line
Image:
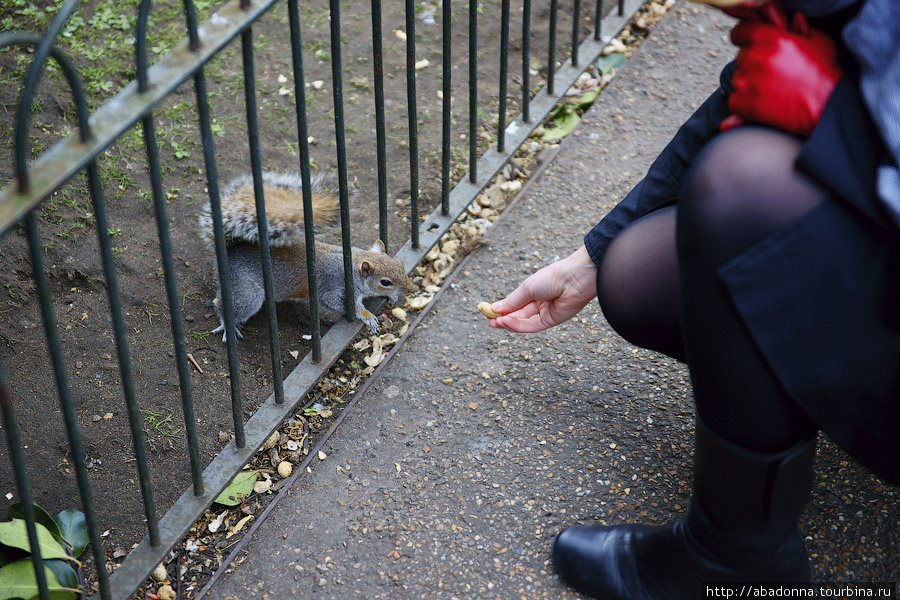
(375, 273)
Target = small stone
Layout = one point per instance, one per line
(160, 573)
(285, 469)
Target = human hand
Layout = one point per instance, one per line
(550, 296)
(784, 75)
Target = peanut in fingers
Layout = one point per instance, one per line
(486, 310)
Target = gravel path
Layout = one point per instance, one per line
(459, 466)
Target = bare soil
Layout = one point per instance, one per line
(75, 271)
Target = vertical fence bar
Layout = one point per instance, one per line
(551, 44)
(261, 222)
(303, 140)
(215, 209)
(621, 8)
(115, 308)
(413, 126)
(526, 61)
(65, 400)
(175, 316)
(598, 20)
(32, 80)
(473, 90)
(14, 444)
(504, 68)
(165, 248)
(190, 15)
(381, 144)
(227, 297)
(340, 144)
(446, 92)
(576, 25)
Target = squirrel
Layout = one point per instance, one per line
(375, 273)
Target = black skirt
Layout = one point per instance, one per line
(821, 297)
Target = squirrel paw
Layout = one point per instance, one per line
(221, 328)
(370, 320)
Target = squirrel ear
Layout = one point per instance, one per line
(365, 268)
(378, 246)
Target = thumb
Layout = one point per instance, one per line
(518, 298)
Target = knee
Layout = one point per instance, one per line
(614, 291)
(735, 187)
(631, 286)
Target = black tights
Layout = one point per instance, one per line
(659, 289)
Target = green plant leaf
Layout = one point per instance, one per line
(613, 61)
(65, 574)
(240, 487)
(587, 98)
(564, 126)
(17, 580)
(13, 533)
(17, 511)
(74, 530)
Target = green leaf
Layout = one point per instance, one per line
(564, 126)
(13, 533)
(18, 581)
(238, 489)
(611, 62)
(74, 530)
(587, 98)
(65, 574)
(17, 511)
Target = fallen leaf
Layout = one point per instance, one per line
(238, 526)
(239, 488)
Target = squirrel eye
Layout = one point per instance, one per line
(387, 283)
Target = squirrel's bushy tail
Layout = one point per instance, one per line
(284, 208)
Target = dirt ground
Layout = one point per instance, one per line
(74, 268)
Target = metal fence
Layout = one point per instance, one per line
(135, 104)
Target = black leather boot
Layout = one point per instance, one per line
(741, 526)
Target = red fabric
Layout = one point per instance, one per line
(784, 74)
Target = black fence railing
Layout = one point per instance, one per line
(21, 200)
